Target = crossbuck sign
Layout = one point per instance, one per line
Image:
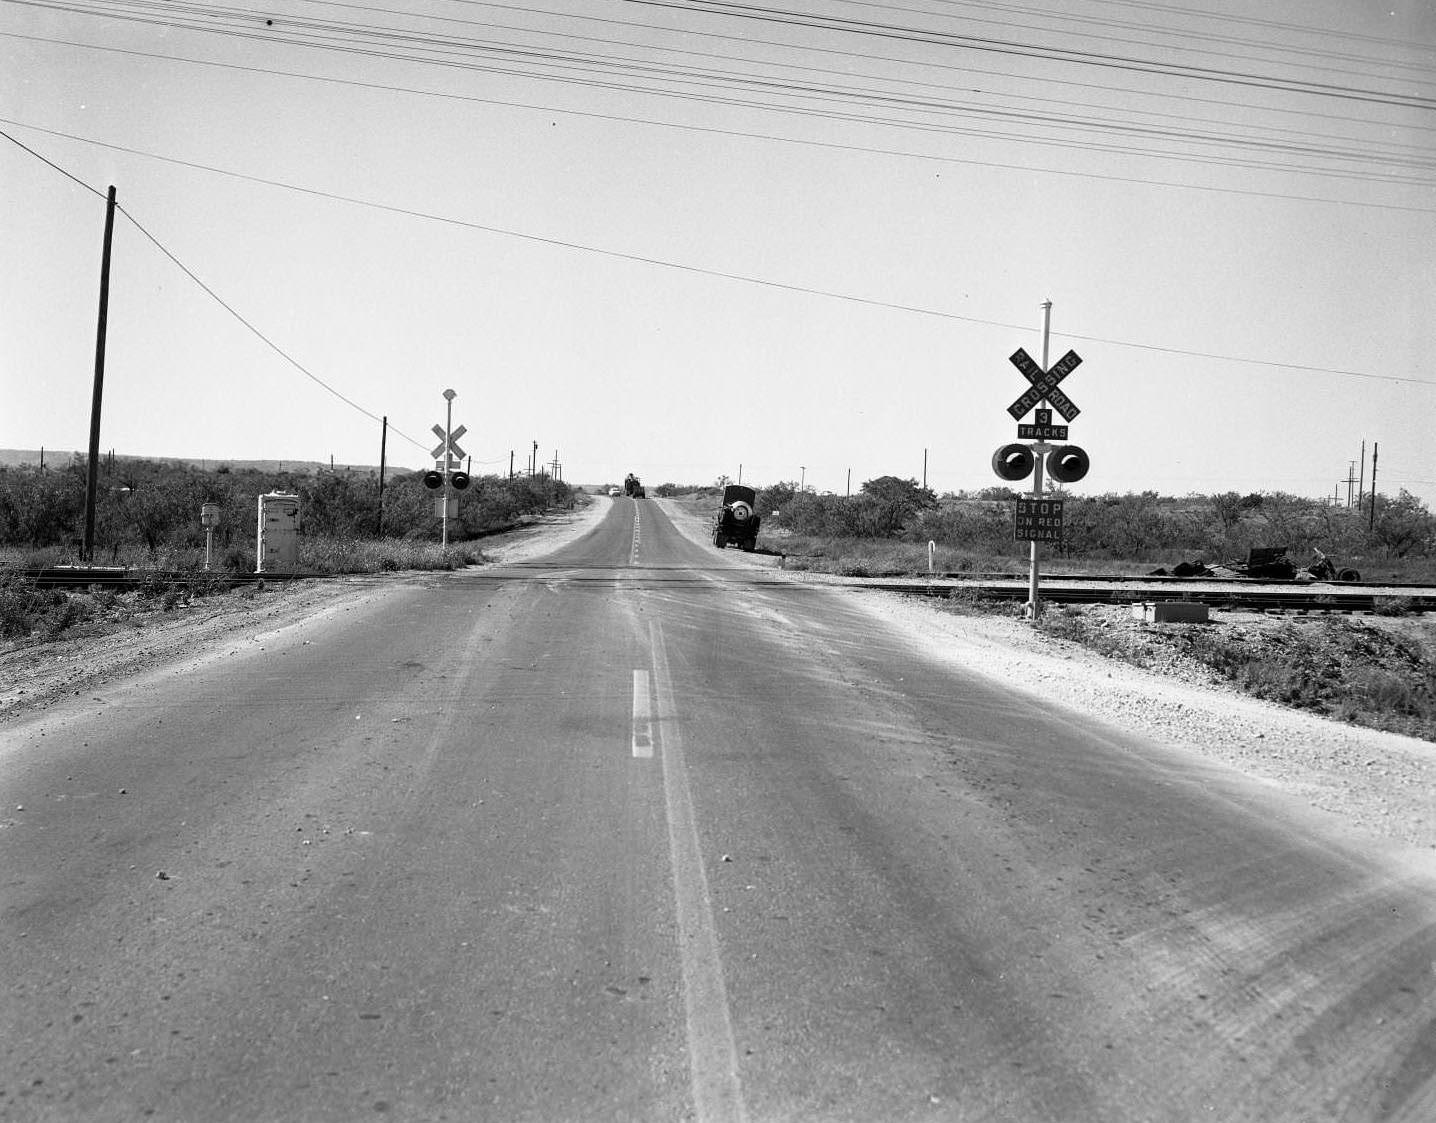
(1044, 384)
(451, 445)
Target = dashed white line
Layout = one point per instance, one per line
(642, 716)
(712, 1051)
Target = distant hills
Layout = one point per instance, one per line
(60, 458)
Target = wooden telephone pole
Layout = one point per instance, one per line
(92, 477)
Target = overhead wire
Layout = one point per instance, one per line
(211, 293)
(441, 49)
(807, 290)
(736, 133)
(654, 261)
(900, 33)
(1182, 37)
(866, 55)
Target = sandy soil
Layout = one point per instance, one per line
(1380, 786)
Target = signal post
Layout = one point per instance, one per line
(1039, 519)
(448, 475)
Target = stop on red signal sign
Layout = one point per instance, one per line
(1039, 520)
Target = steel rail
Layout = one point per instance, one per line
(1233, 593)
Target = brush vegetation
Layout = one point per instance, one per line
(148, 519)
(886, 528)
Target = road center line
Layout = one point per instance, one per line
(712, 1053)
(642, 716)
(637, 534)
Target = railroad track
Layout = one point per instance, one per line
(120, 577)
(1231, 593)
(1235, 594)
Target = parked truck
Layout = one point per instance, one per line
(737, 520)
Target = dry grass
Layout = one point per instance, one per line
(1379, 672)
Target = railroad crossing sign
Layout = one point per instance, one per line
(1044, 384)
(451, 444)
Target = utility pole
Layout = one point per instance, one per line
(92, 477)
(924, 469)
(1375, 448)
(1361, 485)
(511, 463)
(850, 484)
(1350, 479)
(383, 448)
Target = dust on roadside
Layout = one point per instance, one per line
(1367, 782)
(133, 633)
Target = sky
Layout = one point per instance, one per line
(695, 238)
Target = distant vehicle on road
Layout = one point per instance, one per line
(632, 487)
(738, 520)
(615, 491)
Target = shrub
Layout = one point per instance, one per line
(74, 610)
(19, 608)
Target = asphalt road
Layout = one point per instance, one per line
(638, 832)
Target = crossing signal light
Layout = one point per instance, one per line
(459, 481)
(433, 480)
(1067, 464)
(1013, 462)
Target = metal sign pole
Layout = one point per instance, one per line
(1034, 579)
(1038, 519)
(449, 397)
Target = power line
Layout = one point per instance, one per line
(729, 276)
(52, 164)
(1183, 37)
(867, 55)
(1052, 54)
(599, 70)
(188, 272)
(737, 133)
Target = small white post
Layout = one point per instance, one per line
(209, 519)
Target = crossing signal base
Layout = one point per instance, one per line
(1039, 520)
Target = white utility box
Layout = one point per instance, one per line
(278, 547)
